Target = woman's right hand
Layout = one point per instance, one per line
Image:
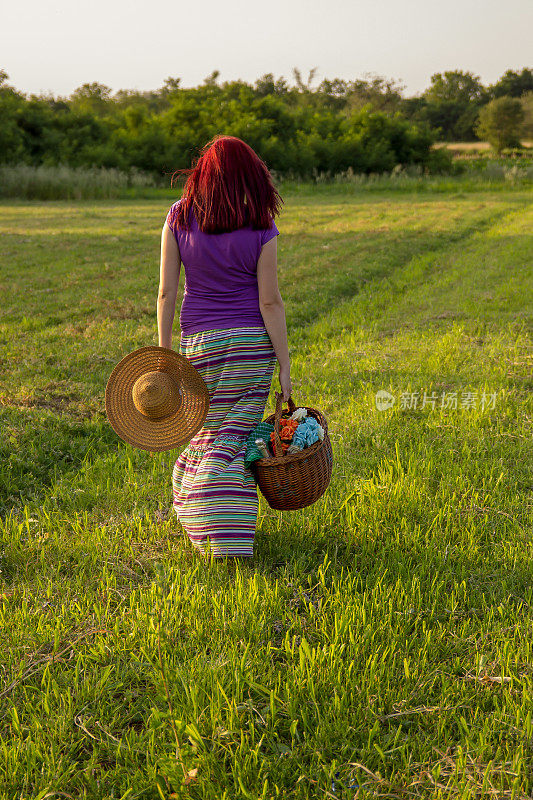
(285, 382)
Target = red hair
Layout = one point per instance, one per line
(225, 173)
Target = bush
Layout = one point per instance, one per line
(500, 123)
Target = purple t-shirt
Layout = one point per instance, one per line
(221, 288)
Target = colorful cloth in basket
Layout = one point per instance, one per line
(261, 431)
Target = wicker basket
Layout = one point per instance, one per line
(290, 482)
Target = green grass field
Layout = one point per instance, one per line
(381, 642)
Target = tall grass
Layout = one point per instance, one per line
(69, 183)
(413, 177)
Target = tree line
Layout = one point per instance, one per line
(367, 124)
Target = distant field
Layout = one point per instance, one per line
(381, 642)
(468, 146)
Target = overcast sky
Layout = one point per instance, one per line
(54, 47)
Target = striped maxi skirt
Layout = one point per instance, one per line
(214, 494)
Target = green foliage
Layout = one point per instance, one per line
(365, 125)
(380, 94)
(451, 120)
(455, 86)
(500, 123)
(450, 105)
(513, 84)
(92, 98)
(12, 141)
(526, 129)
(300, 130)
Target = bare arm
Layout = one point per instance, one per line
(270, 302)
(169, 277)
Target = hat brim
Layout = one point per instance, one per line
(169, 432)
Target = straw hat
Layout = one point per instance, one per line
(155, 399)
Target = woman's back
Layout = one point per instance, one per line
(221, 289)
(232, 331)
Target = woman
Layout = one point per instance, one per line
(232, 330)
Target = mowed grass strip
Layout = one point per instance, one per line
(381, 640)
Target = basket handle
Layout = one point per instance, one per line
(278, 450)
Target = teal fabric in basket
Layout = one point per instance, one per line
(261, 431)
